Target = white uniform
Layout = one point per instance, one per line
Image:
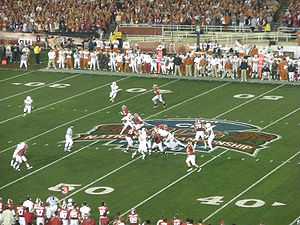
(27, 105)
(76, 56)
(61, 59)
(142, 148)
(93, 65)
(19, 156)
(127, 122)
(172, 143)
(24, 61)
(74, 217)
(63, 215)
(211, 134)
(114, 89)
(53, 203)
(69, 139)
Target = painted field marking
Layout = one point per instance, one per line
(252, 186)
(39, 87)
(92, 113)
(172, 184)
(63, 100)
(294, 221)
(58, 160)
(19, 75)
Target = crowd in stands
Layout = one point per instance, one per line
(67, 212)
(56, 15)
(91, 15)
(291, 18)
(252, 13)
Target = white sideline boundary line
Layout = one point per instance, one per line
(252, 186)
(294, 221)
(63, 100)
(87, 115)
(39, 87)
(58, 160)
(19, 75)
(173, 183)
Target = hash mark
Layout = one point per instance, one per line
(34, 143)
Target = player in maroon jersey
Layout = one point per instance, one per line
(103, 214)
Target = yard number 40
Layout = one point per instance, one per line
(244, 203)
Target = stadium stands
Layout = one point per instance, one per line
(87, 16)
(291, 18)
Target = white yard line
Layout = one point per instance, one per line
(63, 100)
(172, 184)
(251, 186)
(39, 87)
(86, 115)
(251, 100)
(294, 221)
(101, 178)
(58, 160)
(19, 75)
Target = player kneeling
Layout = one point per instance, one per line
(19, 156)
(191, 157)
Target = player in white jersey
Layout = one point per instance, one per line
(52, 201)
(200, 133)
(112, 61)
(69, 139)
(27, 105)
(28, 203)
(114, 89)
(210, 134)
(24, 61)
(61, 58)
(172, 143)
(142, 148)
(1, 209)
(19, 156)
(93, 65)
(255, 67)
(127, 121)
(129, 138)
(76, 57)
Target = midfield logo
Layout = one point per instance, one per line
(236, 136)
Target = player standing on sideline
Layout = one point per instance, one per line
(69, 139)
(114, 89)
(133, 218)
(27, 105)
(210, 134)
(19, 156)
(24, 61)
(103, 214)
(191, 157)
(200, 132)
(158, 97)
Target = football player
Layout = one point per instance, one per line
(142, 148)
(127, 121)
(20, 215)
(69, 139)
(63, 214)
(138, 121)
(210, 133)
(199, 127)
(191, 157)
(172, 143)
(103, 214)
(74, 215)
(158, 97)
(27, 105)
(133, 218)
(129, 138)
(114, 89)
(19, 156)
(157, 141)
(40, 213)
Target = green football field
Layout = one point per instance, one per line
(250, 177)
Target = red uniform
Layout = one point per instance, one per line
(157, 91)
(89, 221)
(190, 149)
(103, 215)
(23, 151)
(133, 218)
(125, 111)
(138, 120)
